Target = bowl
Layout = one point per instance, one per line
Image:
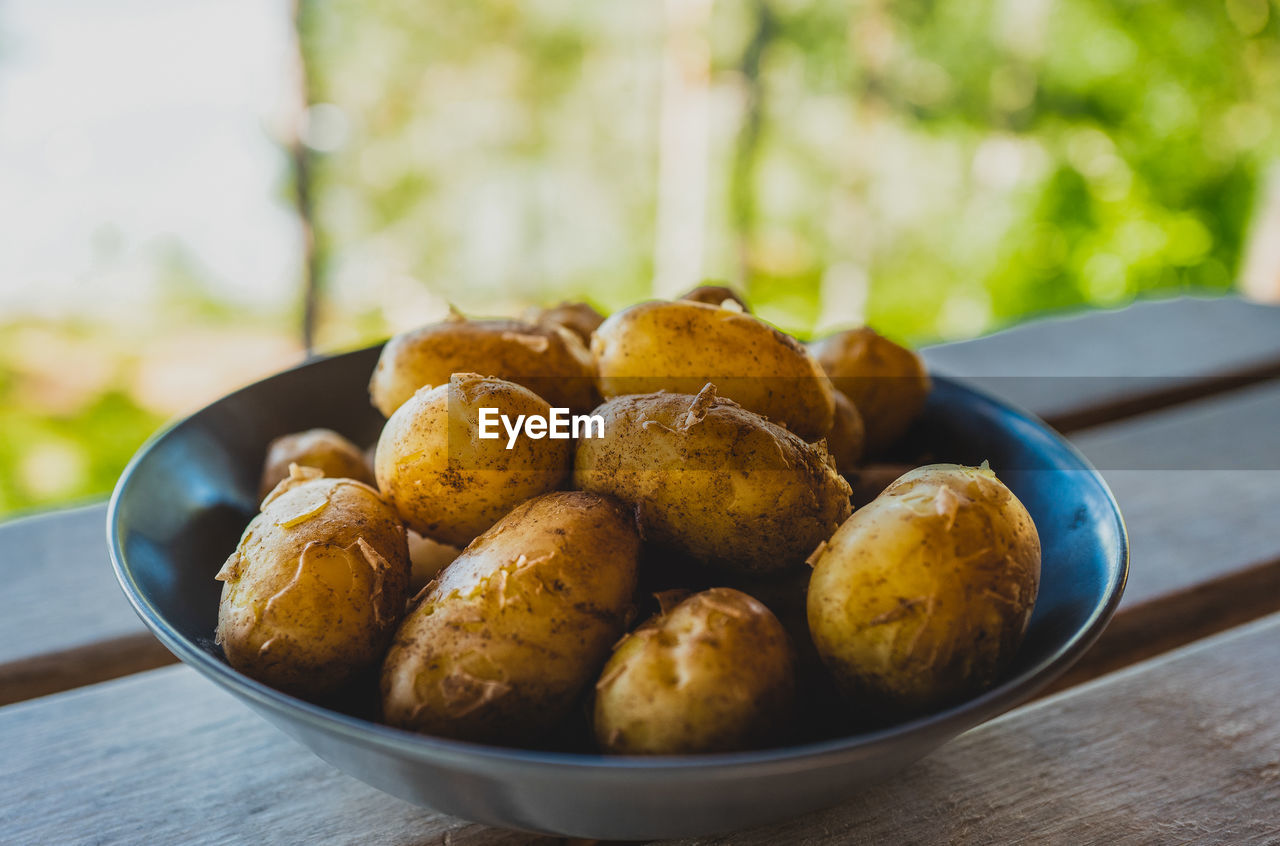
(182, 503)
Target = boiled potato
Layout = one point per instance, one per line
(922, 597)
(888, 383)
(447, 482)
(847, 436)
(579, 318)
(716, 295)
(680, 346)
(314, 591)
(713, 480)
(323, 449)
(714, 674)
(515, 628)
(546, 358)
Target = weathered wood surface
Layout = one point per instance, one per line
(1182, 749)
(1185, 748)
(1202, 524)
(1101, 365)
(167, 757)
(1199, 486)
(61, 555)
(64, 621)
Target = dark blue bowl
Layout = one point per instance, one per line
(182, 503)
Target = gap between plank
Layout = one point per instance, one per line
(55, 672)
(1155, 400)
(1165, 623)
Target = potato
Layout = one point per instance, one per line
(714, 674)
(887, 383)
(716, 295)
(517, 626)
(314, 591)
(713, 480)
(922, 597)
(579, 318)
(846, 438)
(324, 449)
(547, 359)
(447, 482)
(680, 346)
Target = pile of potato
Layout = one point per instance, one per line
(719, 494)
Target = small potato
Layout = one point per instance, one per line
(547, 359)
(514, 629)
(713, 480)
(714, 674)
(681, 346)
(323, 449)
(313, 592)
(922, 597)
(447, 482)
(716, 295)
(847, 436)
(888, 383)
(579, 318)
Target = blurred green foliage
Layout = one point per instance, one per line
(64, 438)
(970, 162)
(938, 168)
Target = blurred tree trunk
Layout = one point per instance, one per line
(683, 144)
(300, 165)
(1260, 273)
(742, 185)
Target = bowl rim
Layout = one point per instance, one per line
(948, 721)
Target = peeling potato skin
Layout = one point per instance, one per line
(546, 358)
(579, 318)
(922, 597)
(316, 586)
(323, 449)
(680, 346)
(446, 482)
(513, 630)
(716, 295)
(847, 437)
(713, 480)
(713, 674)
(887, 383)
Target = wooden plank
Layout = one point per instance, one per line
(1198, 485)
(63, 618)
(61, 554)
(167, 757)
(1179, 749)
(1183, 749)
(1085, 369)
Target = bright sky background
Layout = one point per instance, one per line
(127, 125)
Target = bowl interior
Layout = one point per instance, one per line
(182, 504)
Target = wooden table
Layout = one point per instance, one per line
(1167, 732)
